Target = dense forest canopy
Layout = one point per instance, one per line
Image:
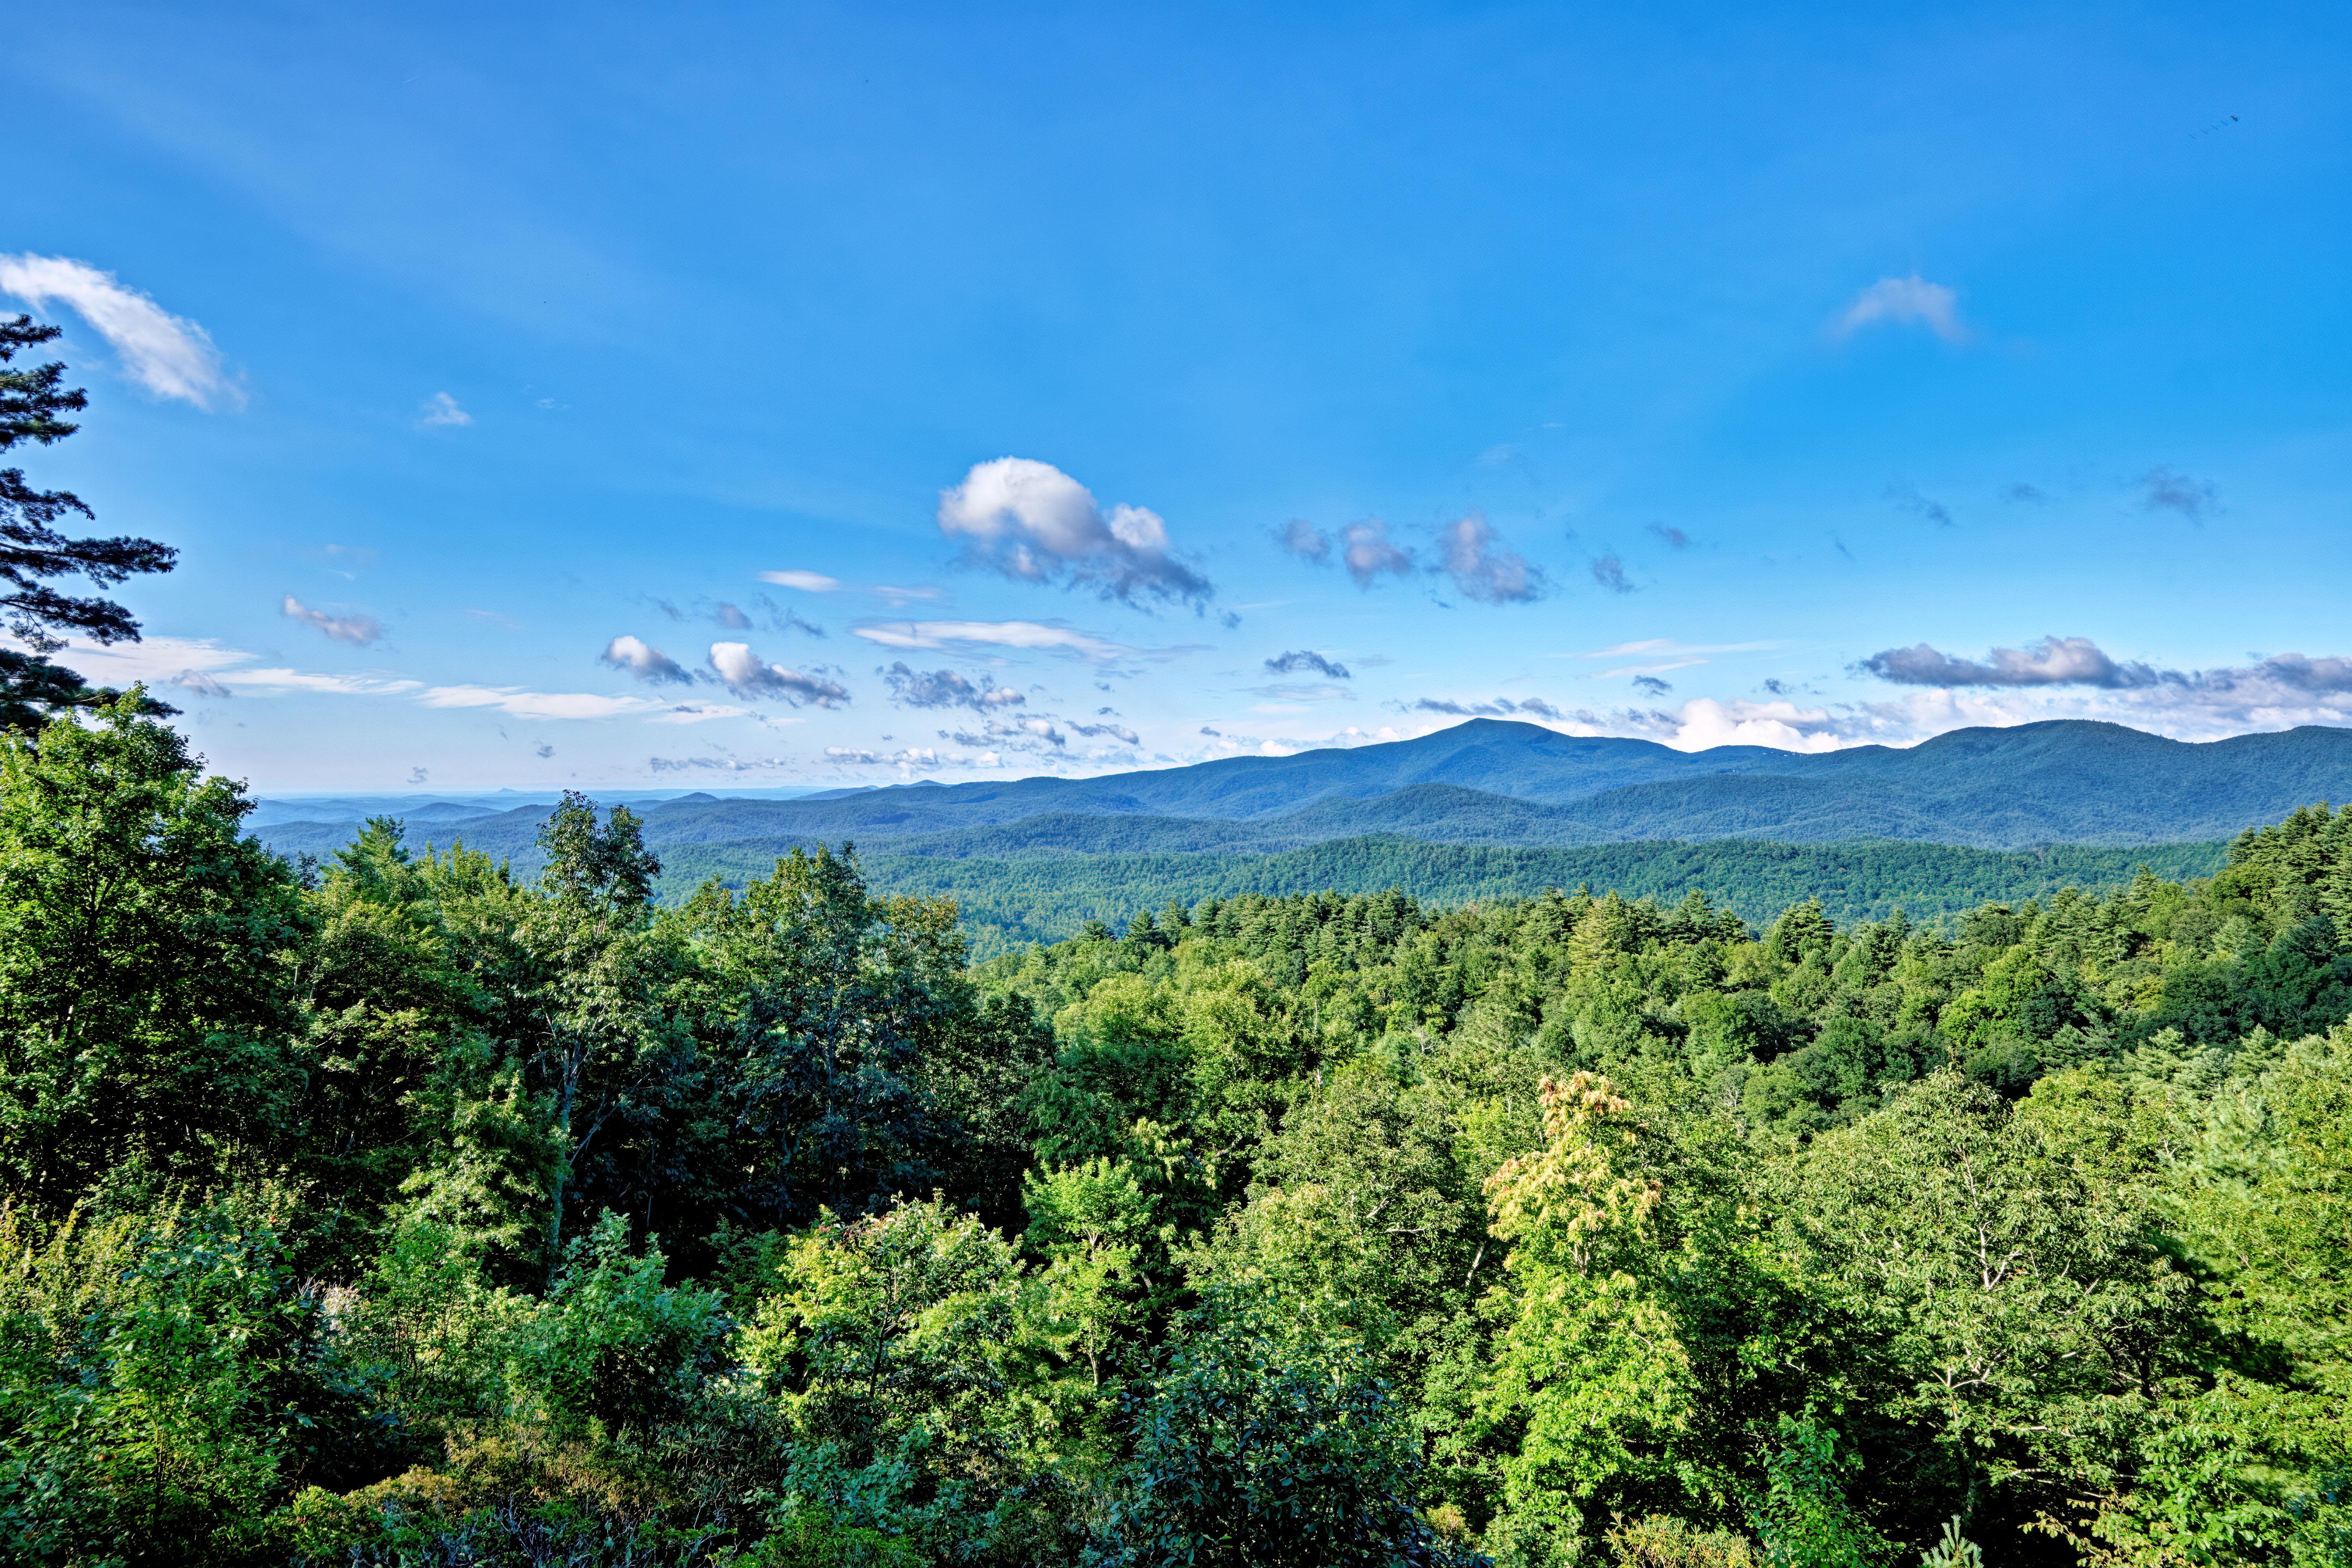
(402, 1209)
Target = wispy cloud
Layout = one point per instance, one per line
(1296, 659)
(1609, 571)
(441, 409)
(1904, 302)
(1906, 496)
(1669, 647)
(806, 581)
(1306, 541)
(1674, 538)
(2163, 490)
(1474, 556)
(206, 666)
(1494, 708)
(1030, 521)
(354, 627)
(746, 674)
(522, 704)
(645, 661)
(1040, 636)
(911, 688)
(718, 764)
(168, 356)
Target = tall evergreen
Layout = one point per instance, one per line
(34, 402)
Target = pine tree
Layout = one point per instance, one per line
(33, 688)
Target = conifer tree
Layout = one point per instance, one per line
(34, 688)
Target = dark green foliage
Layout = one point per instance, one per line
(142, 943)
(1256, 1446)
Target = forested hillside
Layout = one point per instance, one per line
(1047, 895)
(402, 1210)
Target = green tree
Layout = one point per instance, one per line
(1261, 1447)
(144, 948)
(33, 688)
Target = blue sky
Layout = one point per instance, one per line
(720, 396)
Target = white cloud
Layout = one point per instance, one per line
(442, 409)
(898, 596)
(354, 627)
(204, 666)
(2053, 661)
(1705, 721)
(746, 674)
(1667, 646)
(168, 356)
(645, 661)
(912, 688)
(702, 713)
(1029, 519)
(1904, 302)
(1470, 553)
(1032, 635)
(523, 704)
(806, 581)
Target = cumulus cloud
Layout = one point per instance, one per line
(1365, 550)
(168, 356)
(806, 581)
(1904, 302)
(1116, 732)
(2283, 690)
(1609, 571)
(746, 674)
(1650, 686)
(1470, 553)
(1908, 497)
(1296, 659)
(911, 688)
(1030, 521)
(2163, 490)
(1306, 541)
(2053, 661)
(1674, 538)
(1039, 637)
(441, 409)
(645, 661)
(356, 627)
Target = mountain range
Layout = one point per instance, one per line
(1497, 783)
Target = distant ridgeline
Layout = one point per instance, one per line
(1976, 815)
